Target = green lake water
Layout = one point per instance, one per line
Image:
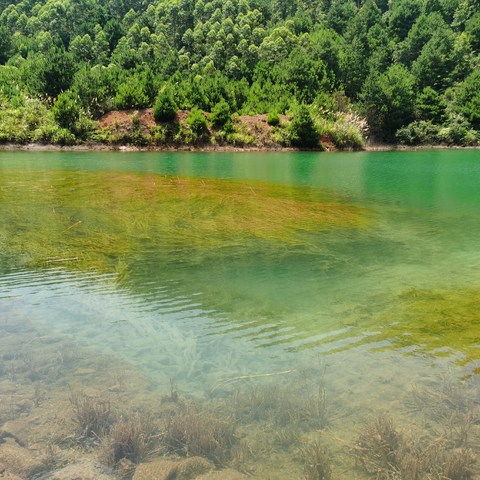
(214, 270)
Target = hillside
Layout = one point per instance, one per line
(404, 71)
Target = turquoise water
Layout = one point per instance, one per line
(209, 270)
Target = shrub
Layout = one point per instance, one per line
(418, 133)
(303, 132)
(131, 94)
(457, 131)
(220, 114)
(165, 109)
(273, 119)
(66, 110)
(197, 122)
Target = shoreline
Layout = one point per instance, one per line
(100, 147)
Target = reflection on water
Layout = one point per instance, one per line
(229, 278)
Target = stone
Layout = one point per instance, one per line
(227, 474)
(156, 470)
(192, 467)
(19, 460)
(81, 470)
(173, 469)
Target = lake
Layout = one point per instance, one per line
(319, 304)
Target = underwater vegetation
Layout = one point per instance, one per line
(317, 461)
(91, 415)
(384, 452)
(193, 432)
(439, 322)
(278, 405)
(102, 221)
(132, 438)
(288, 426)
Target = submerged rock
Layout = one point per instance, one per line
(168, 469)
(227, 474)
(82, 470)
(18, 460)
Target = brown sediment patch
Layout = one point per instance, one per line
(123, 119)
(258, 127)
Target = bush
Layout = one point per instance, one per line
(220, 114)
(197, 122)
(418, 133)
(66, 110)
(457, 131)
(303, 132)
(273, 119)
(131, 94)
(165, 109)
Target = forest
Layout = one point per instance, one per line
(390, 71)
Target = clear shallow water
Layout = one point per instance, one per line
(206, 269)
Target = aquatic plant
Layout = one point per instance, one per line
(459, 465)
(99, 219)
(280, 405)
(378, 445)
(439, 322)
(195, 432)
(132, 439)
(452, 408)
(383, 451)
(92, 416)
(316, 460)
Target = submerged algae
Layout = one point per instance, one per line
(438, 322)
(102, 220)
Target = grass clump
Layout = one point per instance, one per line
(131, 439)
(383, 451)
(92, 416)
(280, 406)
(378, 446)
(316, 461)
(194, 432)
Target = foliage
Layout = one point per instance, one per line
(273, 119)
(221, 114)
(131, 94)
(467, 98)
(345, 131)
(165, 109)
(66, 110)
(429, 105)
(397, 63)
(197, 122)
(387, 101)
(303, 132)
(418, 133)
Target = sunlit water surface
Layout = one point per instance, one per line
(209, 270)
